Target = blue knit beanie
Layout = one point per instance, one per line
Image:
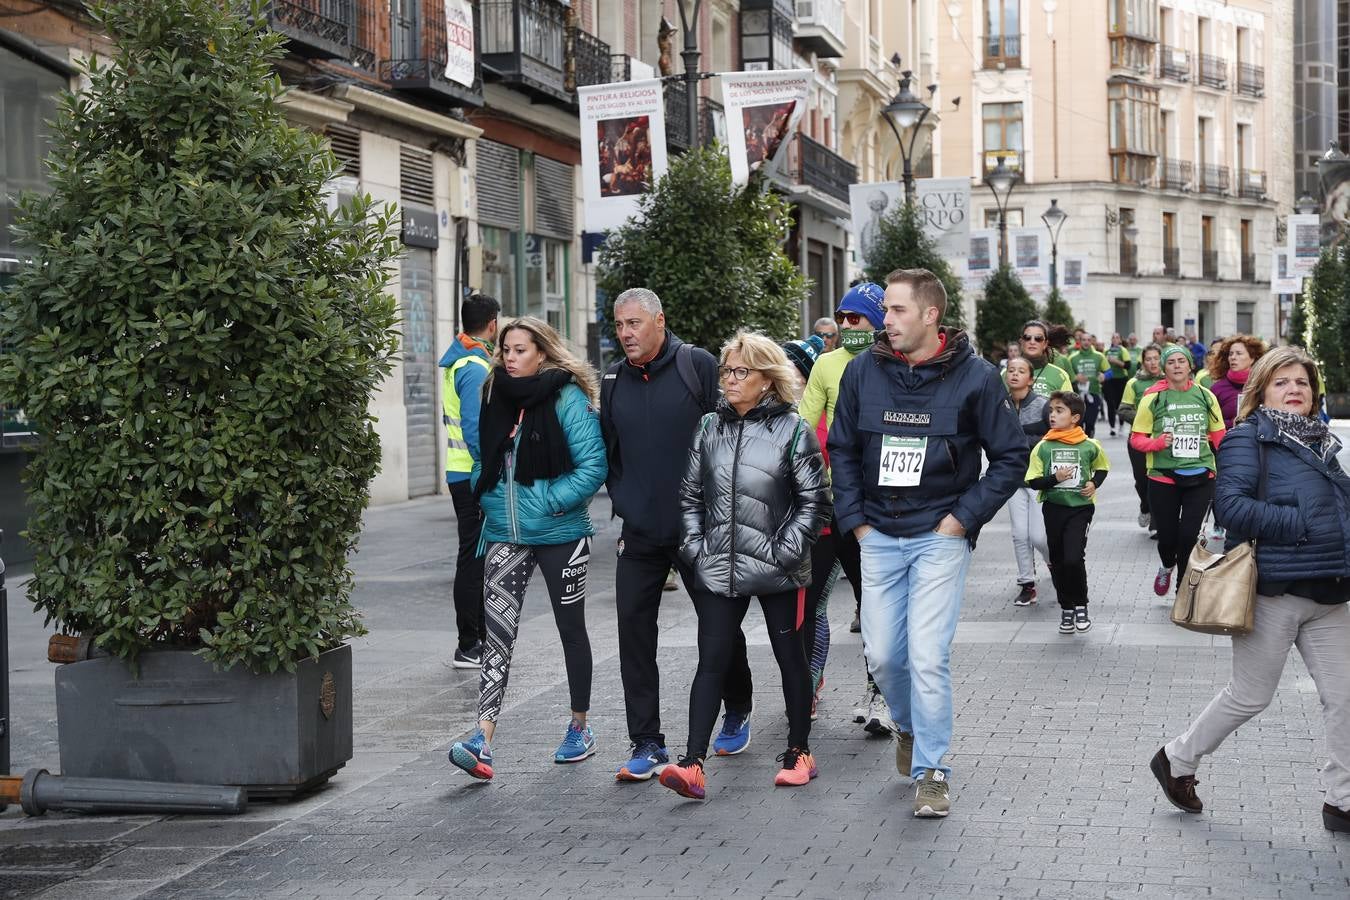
(866, 299)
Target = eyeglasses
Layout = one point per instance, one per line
(850, 318)
(740, 373)
(1034, 338)
(825, 335)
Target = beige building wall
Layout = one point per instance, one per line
(1057, 62)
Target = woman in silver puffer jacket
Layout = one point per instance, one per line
(753, 500)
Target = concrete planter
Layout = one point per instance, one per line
(181, 720)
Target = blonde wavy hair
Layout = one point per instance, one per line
(556, 355)
(1263, 372)
(765, 356)
(1218, 363)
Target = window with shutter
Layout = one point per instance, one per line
(498, 185)
(345, 142)
(554, 203)
(416, 182)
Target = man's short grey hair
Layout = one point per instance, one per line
(644, 297)
(823, 320)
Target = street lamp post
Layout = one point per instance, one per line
(1001, 182)
(906, 112)
(690, 55)
(1054, 220)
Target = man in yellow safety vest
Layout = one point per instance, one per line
(467, 364)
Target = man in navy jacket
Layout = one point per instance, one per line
(912, 418)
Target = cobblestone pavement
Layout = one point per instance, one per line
(1051, 790)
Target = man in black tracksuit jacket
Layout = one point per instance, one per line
(651, 403)
(912, 418)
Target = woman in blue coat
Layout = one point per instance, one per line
(1279, 483)
(539, 461)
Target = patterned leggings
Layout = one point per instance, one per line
(506, 575)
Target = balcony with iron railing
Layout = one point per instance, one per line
(821, 168)
(1174, 63)
(1174, 174)
(591, 60)
(1251, 80)
(1249, 267)
(1212, 179)
(1212, 71)
(677, 118)
(1003, 51)
(1172, 262)
(820, 27)
(1129, 258)
(421, 70)
(318, 29)
(1209, 264)
(365, 37)
(523, 44)
(1251, 184)
(620, 67)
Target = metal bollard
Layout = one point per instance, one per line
(39, 791)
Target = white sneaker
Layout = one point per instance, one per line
(878, 717)
(860, 708)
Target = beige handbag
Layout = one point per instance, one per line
(1218, 593)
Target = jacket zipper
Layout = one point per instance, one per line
(735, 461)
(511, 496)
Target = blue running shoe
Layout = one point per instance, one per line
(473, 756)
(576, 745)
(735, 734)
(649, 758)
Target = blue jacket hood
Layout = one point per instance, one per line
(458, 351)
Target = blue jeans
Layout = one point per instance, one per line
(911, 599)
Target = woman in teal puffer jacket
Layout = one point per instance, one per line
(539, 461)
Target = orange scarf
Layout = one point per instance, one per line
(1074, 435)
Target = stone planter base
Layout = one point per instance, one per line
(181, 720)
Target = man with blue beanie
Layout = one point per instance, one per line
(860, 315)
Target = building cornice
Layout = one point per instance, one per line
(314, 110)
(405, 113)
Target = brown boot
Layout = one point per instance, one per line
(1180, 792)
(1335, 819)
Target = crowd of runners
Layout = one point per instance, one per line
(875, 450)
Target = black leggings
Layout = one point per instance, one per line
(507, 571)
(1139, 467)
(1112, 391)
(719, 623)
(1178, 511)
(1066, 534)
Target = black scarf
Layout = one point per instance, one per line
(1309, 431)
(543, 452)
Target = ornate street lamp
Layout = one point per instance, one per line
(1054, 220)
(905, 113)
(690, 55)
(1001, 182)
(1305, 205)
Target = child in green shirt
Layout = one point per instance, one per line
(1067, 467)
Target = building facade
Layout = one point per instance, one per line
(1162, 130)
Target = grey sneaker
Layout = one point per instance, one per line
(930, 796)
(1144, 520)
(878, 721)
(904, 753)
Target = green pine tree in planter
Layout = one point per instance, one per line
(1324, 301)
(902, 244)
(1057, 310)
(197, 339)
(712, 251)
(1004, 309)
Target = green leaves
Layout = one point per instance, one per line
(712, 252)
(1323, 322)
(1005, 307)
(197, 338)
(902, 244)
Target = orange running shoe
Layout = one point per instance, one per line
(799, 767)
(686, 779)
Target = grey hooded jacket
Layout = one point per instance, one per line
(753, 500)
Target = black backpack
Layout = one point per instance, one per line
(684, 364)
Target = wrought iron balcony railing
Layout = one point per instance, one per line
(1251, 184)
(591, 59)
(821, 168)
(1174, 63)
(1213, 179)
(1174, 174)
(1209, 264)
(320, 29)
(1213, 71)
(1249, 267)
(524, 44)
(365, 37)
(1172, 262)
(422, 70)
(1003, 49)
(1251, 80)
(1129, 259)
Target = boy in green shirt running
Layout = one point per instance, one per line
(1067, 467)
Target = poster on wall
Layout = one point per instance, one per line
(1305, 242)
(1072, 275)
(982, 256)
(459, 41)
(623, 148)
(762, 110)
(944, 204)
(1282, 280)
(869, 204)
(1024, 251)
